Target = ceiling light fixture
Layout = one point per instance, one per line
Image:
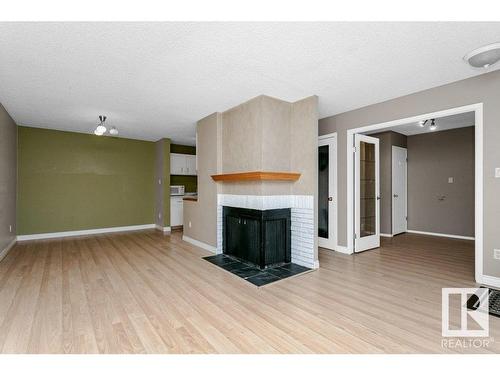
(113, 131)
(484, 57)
(101, 129)
(433, 125)
(422, 123)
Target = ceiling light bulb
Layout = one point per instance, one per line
(113, 131)
(97, 132)
(421, 123)
(433, 126)
(484, 57)
(101, 129)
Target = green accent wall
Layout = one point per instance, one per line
(71, 181)
(182, 149)
(190, 182)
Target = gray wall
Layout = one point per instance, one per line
(484, 89)
(432, 158)
(386, 141)
(8, 177)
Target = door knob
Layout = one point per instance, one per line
(395, 195)
(330, 199)
(378, 198)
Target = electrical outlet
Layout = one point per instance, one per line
(189, 224)
(496, 254)
(497, 172)
(159, 181)
(10, 228)
(451, 180)
(159, 216)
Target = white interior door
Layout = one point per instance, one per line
(399, 190)
(367, 193)
(327, 191)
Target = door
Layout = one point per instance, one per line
(177, 164)
(327, 204)
(191, 165)
(399, 190)
(367, 193)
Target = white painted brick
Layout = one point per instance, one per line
(302, 220)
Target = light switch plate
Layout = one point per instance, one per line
(451, 180)
(496, 254)
(497, 172)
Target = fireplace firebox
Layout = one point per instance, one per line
(261, 237)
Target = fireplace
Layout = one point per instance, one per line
(260, 237)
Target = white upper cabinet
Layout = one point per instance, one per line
(191, 164)
(183, 164)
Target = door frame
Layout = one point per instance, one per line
(477, 108)
(333, 138)
(392, 189)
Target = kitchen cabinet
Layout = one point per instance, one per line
(176, 211)
(182, 164)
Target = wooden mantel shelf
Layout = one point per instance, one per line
(256, 176)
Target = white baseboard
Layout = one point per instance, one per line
(163, 229)
(490, 281)
(386, 235)
(5, 251)
(203, 245)
(441, 235)
(342, 249)
(41, 236)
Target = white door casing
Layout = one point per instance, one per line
(399, 190)
(367, 193)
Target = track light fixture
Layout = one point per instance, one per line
(432, 126)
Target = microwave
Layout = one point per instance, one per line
(177, 190)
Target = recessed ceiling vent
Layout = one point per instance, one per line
(484, 57)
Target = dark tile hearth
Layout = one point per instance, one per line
(253, 274)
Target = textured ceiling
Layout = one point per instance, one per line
(156, 80)
(461, 120)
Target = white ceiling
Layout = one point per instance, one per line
(461, 120)
(156, 80)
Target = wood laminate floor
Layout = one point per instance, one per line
(144, 292)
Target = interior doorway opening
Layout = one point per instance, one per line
(437, 193)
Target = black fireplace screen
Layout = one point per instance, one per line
(259, 237)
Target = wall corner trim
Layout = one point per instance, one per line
(163, 229)
(203, 245)
(6, 250)
(342, 249)
(40, 236)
